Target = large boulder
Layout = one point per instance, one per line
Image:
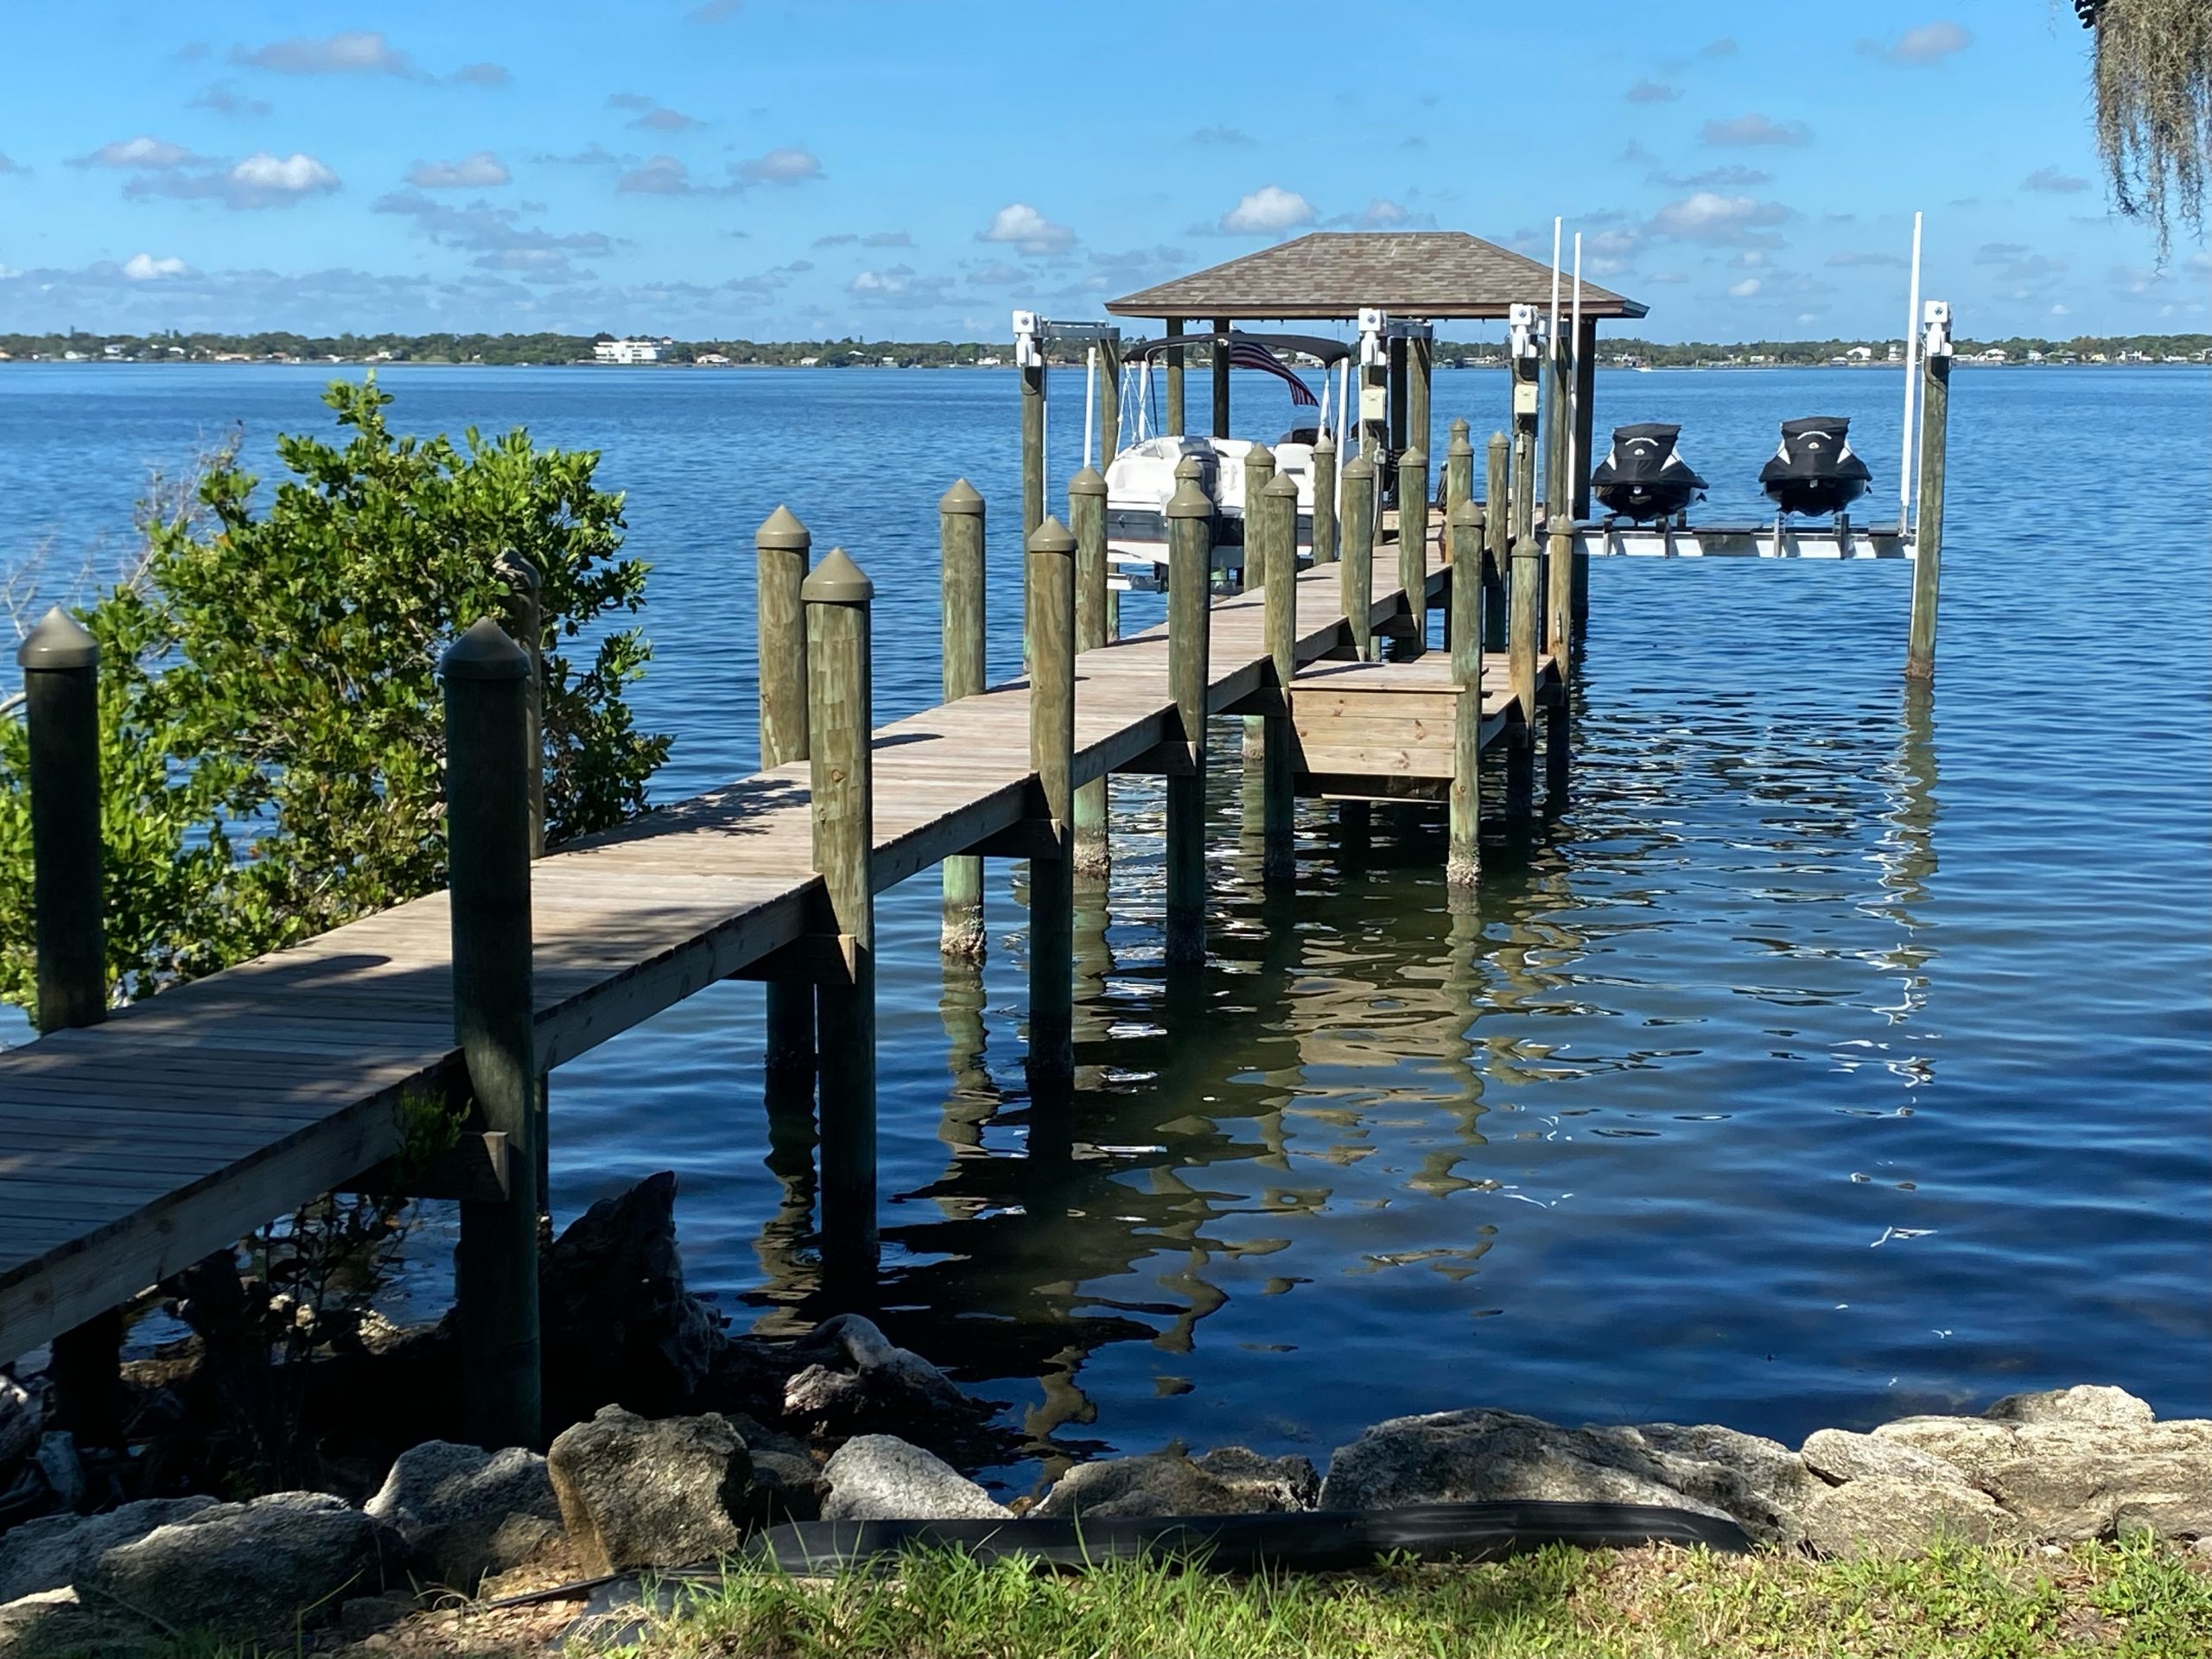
(466, 1512)
(1231, 1482)
(1839, 1455)
(1881, 1517)
(263, 1567)
(2067, 1480)
(1483, 1455)
(48, 1554)
(2087, 1405)
(857, 1380)
(660, 1493)
(618, 1325)
(880, 1477)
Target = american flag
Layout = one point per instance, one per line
(1250, 354)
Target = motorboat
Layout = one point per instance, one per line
(1642, 478)
(1814, 471)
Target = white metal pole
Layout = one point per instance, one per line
(1555, 316)
(1344, 420)
(1090, 399)
(1911, 385)
(1574, 389)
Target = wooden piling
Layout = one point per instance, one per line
(840, 688)
(962, 521)
(1559, 592)
(1087, 519)
(1324, 500)
(1557, 421)
(1355, 585)
(1498, 533)
(1458, 470)
(1051, 590)
(1220, 360)
(780, 548)
(1463, 857)
(1400, 438)
(523, 616)
(1189, 561)
(1032, 450)
(1258, 473)
(1927, 528)
(487, 828)
(1521, 626)
(1173, 329)
(1279, 513)
(1413, 545)
(1421, 374)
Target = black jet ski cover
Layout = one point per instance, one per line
(1814, 471)
(1642, 477)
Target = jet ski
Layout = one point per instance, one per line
(1642, 478)
(1814, 471)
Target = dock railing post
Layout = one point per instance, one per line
(1458, 470)
(1051, 593)
(1189, 561)
(1324, 501)
(961, 524)
(1928, 522)
(1087, 519)
(1279, 851)
(1497, 535)
(523, 616)
(1357, 581)
(487, 826)
(1258, 473)
(1463, 857)
(1413, 545)
(60, 661)
(780, 548)
(840, 690)
(1527, 561)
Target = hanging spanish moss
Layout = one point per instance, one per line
(2154, 74)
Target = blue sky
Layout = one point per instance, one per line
(795, 169)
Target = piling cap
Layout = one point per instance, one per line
(1087, 482)
(1415, 457)
(962, 497)
(1259, 455)
(1459, 426)
(1190, 467)
(1459, 446)
(485, 653)
(1498, 440)
(1359, 467)
(1190, 501)
(1325, 445)
(58, 641)
(1467, 513)
(1282, 484)
(1051, 537)
(836, 581)
(783, 530)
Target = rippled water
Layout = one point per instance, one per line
(1839, 1052)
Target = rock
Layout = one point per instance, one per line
(786, 1488)
(60, 1467)
(56, 1621)
(1839, 1455)
(1267, 1483)
(1880, 1517)
(23, 1418)
(1481, 1455)
(2065, 1482)
(2085, 1406)
(880, 1477)
(465, 1512)
(619, 1325)
(1169, 1482)
(48, 1554)
(262, 1567)
(638, 1493)
(861, 1381)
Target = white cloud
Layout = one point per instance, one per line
(786, 164)
(353, 52)
(296, 174)
(1707, 216)
(1023, 228)
(262, 180)
(1929, 43)
(478, 170)
(145, 267)
(1745, 290)
(141, 152)
(1267, 211)
(1755, 130)
(2061, 311)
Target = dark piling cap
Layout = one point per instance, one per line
(1051, 537)
(1190, 501)
(485, 653)
(962, 498)
(1087, 482)
(58, 641)
(1282, 484)
(783, 531)
(836, 581)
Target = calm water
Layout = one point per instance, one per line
(1834, 1056)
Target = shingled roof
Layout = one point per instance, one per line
(1331, 274)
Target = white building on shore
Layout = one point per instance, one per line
(625, 351)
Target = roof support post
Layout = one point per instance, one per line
(1421, 367)
(1175, 426)
(1221, 378)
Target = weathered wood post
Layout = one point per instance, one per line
(1928, 527)
(1279, 853)
(1356, 584)
(1401, 439)
(1421, 374)
(1032, 446)
(487, 832)
(1559, 592)
(1176, 427)
(1051, 593)
(1497, 534)
(1521, 625)
(1463, 857)
(780, 548)
(1087, 519)
(1258, 473)
(1219, 357)
(60, 660)
(1190, 560)
(961, 521)
(1459, 469)
(839, 690)
(1412, 546)
(523, 618)
(1324, 501)
(1558, 422)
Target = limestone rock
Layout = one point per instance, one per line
(1880, 1517)
(48, 1554)
(2065, 1481)
(55, 1621)
(1266, 1483)
(1762, 1483)
(2085, 1406)
(465, 1512)
(248, 1568)
(859, 1380)
(881, 1478)
(659, 1493)
(1169, 1482)
(1839, 1455)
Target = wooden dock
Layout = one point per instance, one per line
(131, 1149)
